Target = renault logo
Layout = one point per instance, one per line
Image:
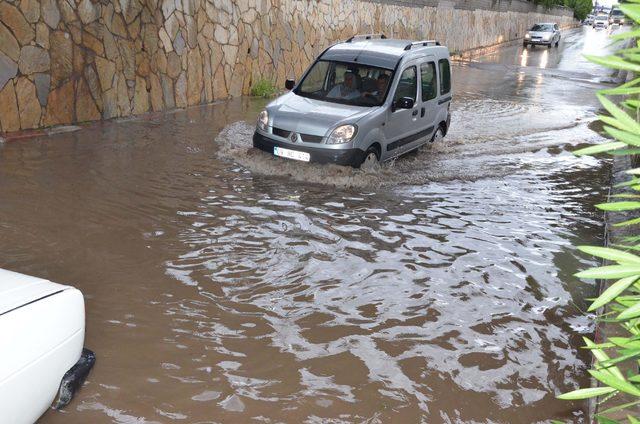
(293, 137)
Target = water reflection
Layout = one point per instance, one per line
(221, 282)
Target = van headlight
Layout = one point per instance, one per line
(263, 120)
(342, 134)
(527, 35)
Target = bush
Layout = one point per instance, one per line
(622, 298)
(263, 88)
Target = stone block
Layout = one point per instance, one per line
(8, 69)
(11, 17)
(61, 55)
(50, 13)
(30, 10)
(33, 59)
(86, 109)
(9, 117)
(60, 106)
(28, 104)
(8, 44)
(43, 85)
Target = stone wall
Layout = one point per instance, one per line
(68, 61)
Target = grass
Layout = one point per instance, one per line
(264, 88)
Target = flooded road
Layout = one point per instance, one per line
(225, 286)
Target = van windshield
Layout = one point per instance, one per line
(347, 83)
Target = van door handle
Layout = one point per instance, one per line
(415, 112)
(422, 113)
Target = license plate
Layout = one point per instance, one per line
(291, 154)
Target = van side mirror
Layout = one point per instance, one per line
(404, 103)
(289, 84)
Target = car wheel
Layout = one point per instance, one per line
(438, 136)
(371, 159)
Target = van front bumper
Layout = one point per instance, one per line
(345, 157)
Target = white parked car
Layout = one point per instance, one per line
(41, 346)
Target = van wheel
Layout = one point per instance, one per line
(371, 159)
(438, 136)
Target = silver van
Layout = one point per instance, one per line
(362, 101)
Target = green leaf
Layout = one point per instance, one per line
(615, 382)
(610, 254)
(586, 393)
(625, 196)
(601, 356)
(624, 136)
(631, 182)
(619, 407)
(605, 420)
(631, 312)
(612, 121)
(614, 62)
(625, 152)
(610, 272)
(633, 221)
(625, 35)
(618, 206)
(633, 171)
(612, 292)
(620, 91)
(599, 148)
(631, 10)
(621, 116)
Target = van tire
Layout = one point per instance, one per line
(371, 158)
(438, 134)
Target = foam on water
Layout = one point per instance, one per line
(460, 156)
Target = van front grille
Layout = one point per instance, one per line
(307, 138)
(280, 132)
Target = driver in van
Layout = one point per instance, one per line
(381, 87)
(347, 89)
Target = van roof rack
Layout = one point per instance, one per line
(423, 43)
(366, 37)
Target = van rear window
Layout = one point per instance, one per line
(445, 76)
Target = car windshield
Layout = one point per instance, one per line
(617, 12)
(347, 83)
(542, 28)
(601, 18)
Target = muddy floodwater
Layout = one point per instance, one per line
(223, 285)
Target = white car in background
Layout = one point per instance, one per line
(601, 21)
(545, 34)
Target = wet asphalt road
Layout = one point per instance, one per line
(224, 285)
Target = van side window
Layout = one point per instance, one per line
(408, 84)
(429, 82)
(445, 76)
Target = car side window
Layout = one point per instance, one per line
(428, 81)
(408, 84)
(556, 27)
(445, 76)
